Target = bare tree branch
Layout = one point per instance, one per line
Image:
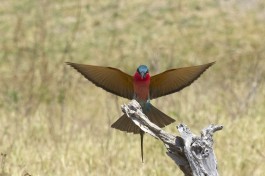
(194, 155)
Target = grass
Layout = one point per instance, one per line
(53, 122)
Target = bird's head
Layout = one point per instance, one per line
(143, 71)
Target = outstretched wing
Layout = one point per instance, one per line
(174, 80)
(110, 79)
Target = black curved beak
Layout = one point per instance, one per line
(142, 75)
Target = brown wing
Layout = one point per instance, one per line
(174, 80)
(108, 78)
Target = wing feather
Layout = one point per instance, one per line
(174, 80)
(110, 79)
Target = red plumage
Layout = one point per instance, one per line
(141, 86)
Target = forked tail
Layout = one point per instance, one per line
(154, 115)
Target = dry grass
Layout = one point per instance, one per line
(53, 122)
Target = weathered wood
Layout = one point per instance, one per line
(194, 155)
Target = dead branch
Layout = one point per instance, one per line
(193, 154)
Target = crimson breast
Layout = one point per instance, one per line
(141, 86)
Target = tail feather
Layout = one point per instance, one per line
(153, 114)
(142, 143)
(158, 117)
(126, 124)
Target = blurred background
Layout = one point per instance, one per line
(54, 122)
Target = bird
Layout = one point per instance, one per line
(142, 87)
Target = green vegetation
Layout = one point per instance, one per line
(54, 122)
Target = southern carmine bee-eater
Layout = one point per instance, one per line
(142, 87)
